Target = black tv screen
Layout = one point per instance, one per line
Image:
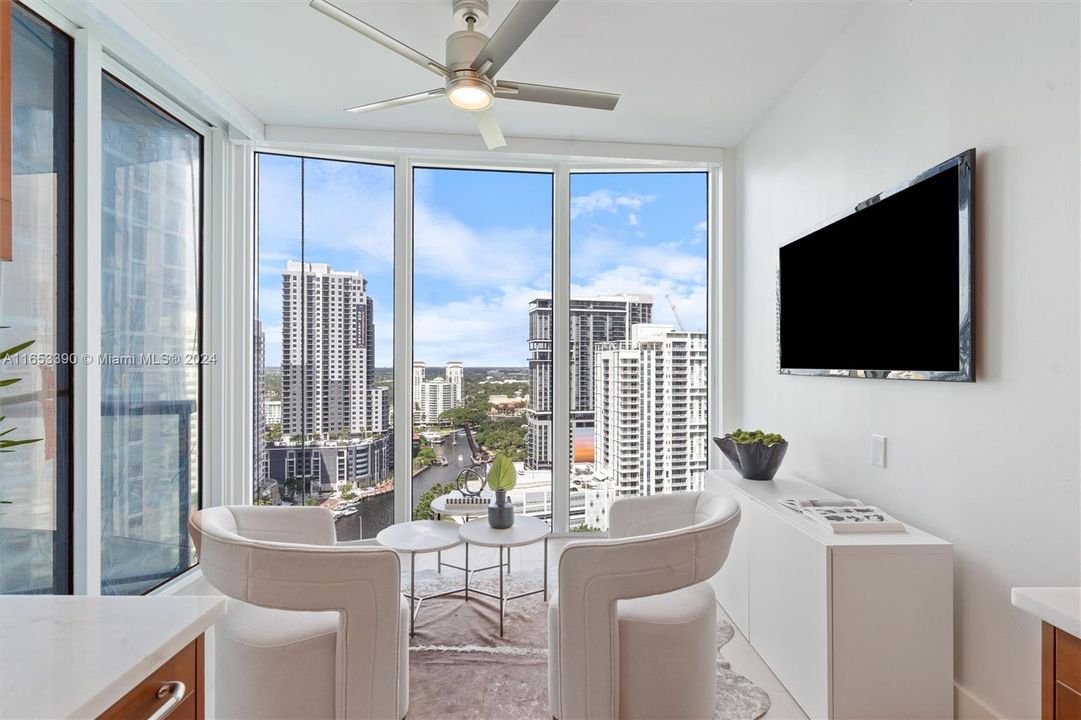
(885, 290)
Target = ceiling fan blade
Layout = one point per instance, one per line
(511, 90)
(522, 20)
(354, 23)
(489, 128)
(395, 102)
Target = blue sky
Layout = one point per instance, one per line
(482, 248)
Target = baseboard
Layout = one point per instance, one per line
(967, 706)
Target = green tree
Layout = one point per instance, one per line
(424, 458)
(459, 416)
(423, 509)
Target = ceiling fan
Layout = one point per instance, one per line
(473, 59)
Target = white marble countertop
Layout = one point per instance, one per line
(1058, 606)
(73, 657)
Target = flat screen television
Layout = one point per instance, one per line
(884, 290)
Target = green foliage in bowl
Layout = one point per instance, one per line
(746, 437)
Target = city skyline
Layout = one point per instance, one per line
(630, 232)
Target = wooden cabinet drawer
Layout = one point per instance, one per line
(1068, 660)
(143, 701)
(1067, 703)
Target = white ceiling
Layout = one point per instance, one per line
(691, 73)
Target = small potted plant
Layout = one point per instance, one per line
(756, 455)
(501, 478)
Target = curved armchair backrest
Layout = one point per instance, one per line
(689, 536)
(284, 558)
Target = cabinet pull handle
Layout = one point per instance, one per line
(175, 691)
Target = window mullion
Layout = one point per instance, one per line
(403, 339)
(561, 351)
(721, 290)
(86, 536)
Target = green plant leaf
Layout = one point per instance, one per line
(15, 443)
(5, 354)
(501, 473)
(9, 381)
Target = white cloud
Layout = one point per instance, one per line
(632, 219)
(607, 201)
(690, 298)
(478, 330)
(595, 253)
(445, 247)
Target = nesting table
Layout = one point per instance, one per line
(420, 536)
(427, 536)
(525, 531)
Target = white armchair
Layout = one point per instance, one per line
(320, 629)
(632, 627)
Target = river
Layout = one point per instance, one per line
(377, 512)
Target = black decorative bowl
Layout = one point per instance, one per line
(754, 461)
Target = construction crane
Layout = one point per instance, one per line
(675, 313)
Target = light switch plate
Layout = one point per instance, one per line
(878, 450)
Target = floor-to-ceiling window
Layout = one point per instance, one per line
(484, 334)
(35, 307)
(324, 339)
(151, 363)
(482, 366)
(638, 320)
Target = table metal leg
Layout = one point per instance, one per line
(508, 561)
(412, 592)
(502, 601)
(545, 568)
(439, 561)
(467, 572)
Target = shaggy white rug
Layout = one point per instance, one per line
(461, 669)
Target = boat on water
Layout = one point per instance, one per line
(433, 437)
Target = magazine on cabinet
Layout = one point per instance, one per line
(844, 515)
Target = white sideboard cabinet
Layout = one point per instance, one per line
(856, 626)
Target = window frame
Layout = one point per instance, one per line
(561, 168)
(65, 270)
(112, 68)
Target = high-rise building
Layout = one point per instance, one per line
(650, 401)
(328, 353)
(593, 320)
(258, 406)
(455, 374)
(272, 411)
(433, 397)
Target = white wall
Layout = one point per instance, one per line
(993, 466)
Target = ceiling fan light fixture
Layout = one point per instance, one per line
(469, 95)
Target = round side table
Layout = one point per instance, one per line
(525, 531)
(420, 536)
(440, 506)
